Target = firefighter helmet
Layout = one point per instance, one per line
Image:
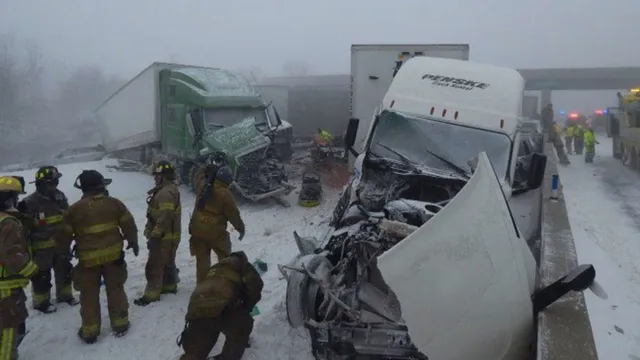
(11, 184)
(91, 179)
(47, 174)
(163, 167)
(224, 175)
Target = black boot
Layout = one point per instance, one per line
(143, 301)
(45, 308)
(87, 340)
(121, 331)
(71, 301)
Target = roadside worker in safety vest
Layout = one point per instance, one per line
(555, 137)
(16, 268)
(46, 207)
(323, 138)
(568, 137)
(222, 303)
(578, 139)
(163, 235)
(208, 225)
(99, 223)
(589, 145)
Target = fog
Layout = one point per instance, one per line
(90, 48)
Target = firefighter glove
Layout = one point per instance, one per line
(135, 247)
(147, 233)
(241, 236)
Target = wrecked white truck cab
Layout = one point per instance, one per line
(423, 258)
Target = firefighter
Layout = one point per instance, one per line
(98, 223)
(222, 303)
(323, 137)
(578, 139)
(17, 266)
(46, 207)
(163, 235)
(589, 145)
(568, 138)
(555, 138)
(208, 225)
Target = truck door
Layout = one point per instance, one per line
(174, 134)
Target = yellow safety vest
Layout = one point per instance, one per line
(570, 131)
(14, 281)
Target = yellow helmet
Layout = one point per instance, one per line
(11, 184)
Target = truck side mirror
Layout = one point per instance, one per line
(536, 171)
(579, 279)
(350, 136)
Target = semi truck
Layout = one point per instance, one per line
(422, 253)
(373, 67)
(189, 114)
(624, 127)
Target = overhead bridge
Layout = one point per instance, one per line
(543, 80)
(598, 78)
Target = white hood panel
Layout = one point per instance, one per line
(462, 279)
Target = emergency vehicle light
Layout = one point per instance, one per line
(599, 112)
(573, 115)
(561, 113)
(634, 90)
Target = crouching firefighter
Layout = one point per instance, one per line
(98, 224)
(46, 207)
(16, 268)
(163, 235)
(215, 207)
(222, 303)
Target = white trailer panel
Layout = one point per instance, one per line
(128, 117)
(373, 68)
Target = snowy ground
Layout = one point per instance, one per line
(155, 327)
(603, 201)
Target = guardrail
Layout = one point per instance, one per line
(564, 330)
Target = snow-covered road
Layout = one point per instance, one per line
(155, 327)
(603, 200)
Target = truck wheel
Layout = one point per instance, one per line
(617, 151)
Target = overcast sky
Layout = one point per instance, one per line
(122, 37)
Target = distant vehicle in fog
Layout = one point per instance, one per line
(74, 155)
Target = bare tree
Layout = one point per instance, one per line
(296, 68)
(21, 96)
(83, 91)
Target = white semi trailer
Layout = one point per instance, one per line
(373, 67)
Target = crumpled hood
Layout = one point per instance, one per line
(237, 140)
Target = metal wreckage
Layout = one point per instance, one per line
(336, 291)
(253, 157)
(335, 288)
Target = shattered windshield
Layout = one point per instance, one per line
(437, 144)
(215, 119)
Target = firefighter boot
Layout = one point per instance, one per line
(88, 339)
(45, 308)
(143, 301)
(71, 301)
(121, 331)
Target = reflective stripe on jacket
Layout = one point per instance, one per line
(14, 279)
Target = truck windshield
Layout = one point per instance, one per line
(419, 139)
(215, 119)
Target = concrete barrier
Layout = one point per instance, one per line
(564, 330)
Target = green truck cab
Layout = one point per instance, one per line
(186, 114)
